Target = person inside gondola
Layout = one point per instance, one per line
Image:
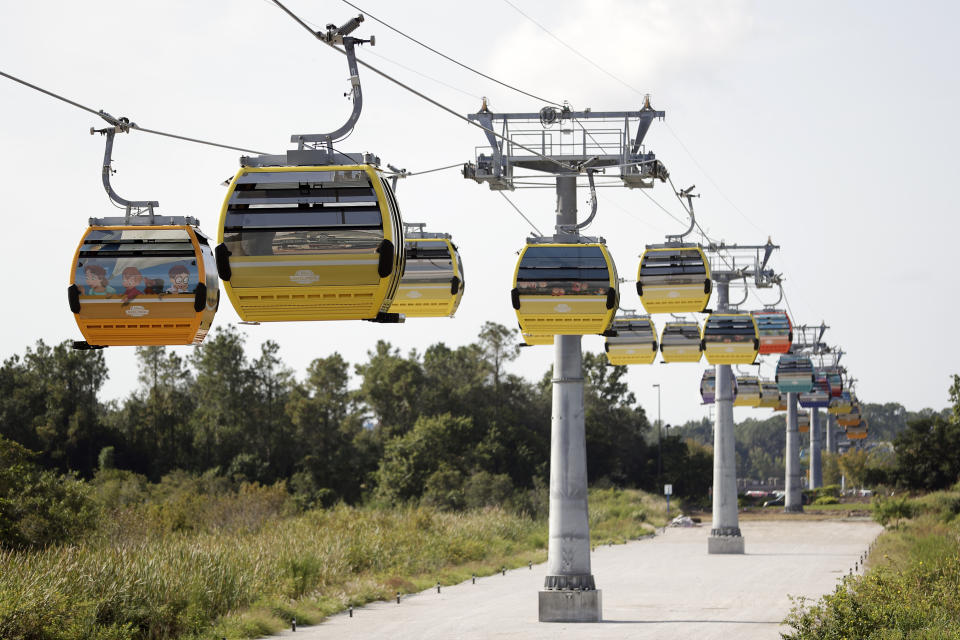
(131, 277)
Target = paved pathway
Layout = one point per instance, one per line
(667, 587)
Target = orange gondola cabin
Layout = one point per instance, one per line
(143, 281)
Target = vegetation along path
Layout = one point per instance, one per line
(658, 588)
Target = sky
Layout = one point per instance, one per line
(827, 126)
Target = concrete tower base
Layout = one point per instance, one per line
(571, 606)
(725, 544)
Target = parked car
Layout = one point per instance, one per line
(780, 500)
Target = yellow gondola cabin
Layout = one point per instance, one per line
(432, 283)
(674, 279)
(311, 243)
(631, 340)
(730, 338)
(565, 289)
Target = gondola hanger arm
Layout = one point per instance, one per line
(593, 201)
(689, 196)
(118, 125)
(336, 36)
(746, 294)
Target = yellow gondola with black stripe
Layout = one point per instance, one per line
(730, 338)
(631, 339)
(769, 395)
(565, 288)
(432, 283)
(681, 341)
(313, 242)
(536, 339)
(143, 281)
(748, 392)
(674, 278)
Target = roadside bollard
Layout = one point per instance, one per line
(503, 571)
(530, 564)
(351, 611)
(438, 586)
(398, 597)
(293, 623)
(474, 578)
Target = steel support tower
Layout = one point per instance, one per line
(725, 536)
(815, 481)
(792, 500)
(560, 145)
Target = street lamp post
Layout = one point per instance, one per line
(659, 429)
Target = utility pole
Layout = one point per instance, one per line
(559, 155)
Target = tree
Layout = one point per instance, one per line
(391, 386)
(853, 465)
(499, 346)
(225, 396)
(328, 432)
(435, 443)
(49, 403)
(615, 429)
(927, 454)
(154, 420)
(39, 507)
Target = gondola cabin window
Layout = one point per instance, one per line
(428, 263)
(559, 271)
(132, 262)
(301, 214)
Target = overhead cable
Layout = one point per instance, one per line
(571, 48)
(453, 60)
(421, 95)
(407, 174)
(517, 209)
(712, 181)
(100, 113)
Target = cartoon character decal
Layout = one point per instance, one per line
(179, 279)
(97, 283)
(131, 278)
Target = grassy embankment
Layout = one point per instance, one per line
(212, 567)
(912, 586)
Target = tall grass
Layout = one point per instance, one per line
(912, 589)
(140, 581)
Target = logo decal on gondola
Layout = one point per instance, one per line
(304, 276)
(137, 311)
(414, 294)
(562, 308)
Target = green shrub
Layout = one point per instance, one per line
(887, 510)
(39, 508)
(823, 500)
(910, 591)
